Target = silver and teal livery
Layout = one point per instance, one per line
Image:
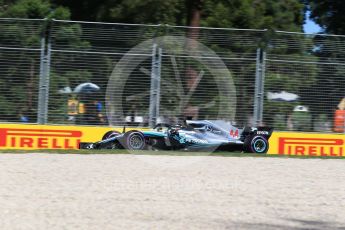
(194, 135)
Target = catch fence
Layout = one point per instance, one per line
(90, 73)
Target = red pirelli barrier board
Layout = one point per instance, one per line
(307, 144)
(20, 136)
(39, 138)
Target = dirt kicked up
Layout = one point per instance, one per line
(55, 191)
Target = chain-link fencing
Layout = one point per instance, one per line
(69, 72)
(21, 49)
(304, 82)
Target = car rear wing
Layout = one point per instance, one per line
(262, 131)
(265, 131)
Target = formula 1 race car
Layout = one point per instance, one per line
(194, 136)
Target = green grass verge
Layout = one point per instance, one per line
(158, 153)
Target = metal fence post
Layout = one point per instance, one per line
(153, 87)
(158, 83)
(40, 104)
(256, 85)
(43, 95)
(259, 86)
(47, 81)
(262, 85)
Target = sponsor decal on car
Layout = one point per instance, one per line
(234, 133)
(196, 141)
(262, 132)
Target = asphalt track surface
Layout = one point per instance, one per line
(57, 191)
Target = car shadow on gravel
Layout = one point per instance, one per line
(300, 224)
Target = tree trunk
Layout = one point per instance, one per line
(193, 20)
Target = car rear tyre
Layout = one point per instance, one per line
(256, 144)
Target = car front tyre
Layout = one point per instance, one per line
(134, 140)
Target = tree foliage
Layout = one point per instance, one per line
(247, 14)
(251, 14)
(283, 15)
(36, 9)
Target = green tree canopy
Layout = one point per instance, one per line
(271, 14)
(250, 14)
(32, 9)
